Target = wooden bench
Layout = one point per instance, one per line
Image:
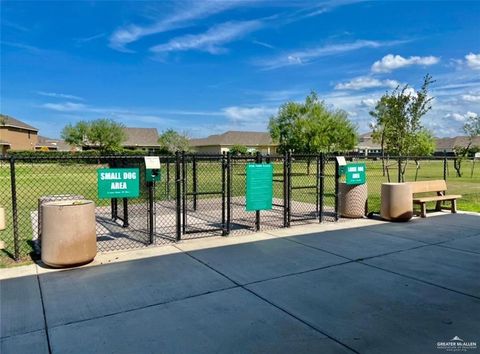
(438, 186)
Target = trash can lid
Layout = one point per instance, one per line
(68, 202)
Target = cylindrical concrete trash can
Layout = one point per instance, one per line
(2, 219)
(68, 233)
(396, 202)
(353, 200)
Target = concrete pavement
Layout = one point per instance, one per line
(363, 286)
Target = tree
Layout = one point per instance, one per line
(311, 127)
(172, 141)
(472, 129)
(239, 149)
(424, 146)
(105, 134)
(397, 125)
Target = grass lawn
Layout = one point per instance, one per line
(40, 179)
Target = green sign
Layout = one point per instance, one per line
(259, 186)
(356, 173)
(118, 183)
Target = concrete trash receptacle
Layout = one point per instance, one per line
(2, 219)
(353, 200)
(396, 202)
(68, 232)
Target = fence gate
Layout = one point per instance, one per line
(305, 186)
(203, 194)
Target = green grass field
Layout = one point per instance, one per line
(36, 180)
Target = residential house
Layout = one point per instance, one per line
(219, 143)
(447, 145)
(137, 139)
(48, 144)
(367, 147)
(16, 135)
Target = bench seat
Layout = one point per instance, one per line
(435, 186)
(435, 198)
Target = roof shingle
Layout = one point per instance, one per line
(12, 122)
(235, 138)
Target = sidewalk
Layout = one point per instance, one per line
(361, 286)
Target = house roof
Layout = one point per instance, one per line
(141, 137)
(235, 138)
(449, 143)
(13, 122)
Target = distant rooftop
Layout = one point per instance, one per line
(8, 121)
(235, 138)
(141, 137)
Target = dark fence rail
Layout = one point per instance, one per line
(202, 194)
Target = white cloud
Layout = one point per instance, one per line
(392, 62)
(471, 97)
(473, 60)
(461, 117)
(368, 102)
(307, 55)
(60, 95)
(365, 82)
(65, 106)
(211, 40)
(263, 44)
(246, 115)
(184, 16)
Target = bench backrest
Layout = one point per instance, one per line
(428, 186)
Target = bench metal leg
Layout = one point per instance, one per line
(438, 205)
(454, 205)
(423, 212)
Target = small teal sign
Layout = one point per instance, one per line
(355, 173)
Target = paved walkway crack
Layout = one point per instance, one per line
(47, 334)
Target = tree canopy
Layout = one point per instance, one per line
(239, 150)
(311, 127)
(172, 141)
(398, 115)
(106, 134)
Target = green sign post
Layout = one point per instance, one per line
(259, 191)
(118, 183)
(355, 173)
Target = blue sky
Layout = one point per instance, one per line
(204, 67)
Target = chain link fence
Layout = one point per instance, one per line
(201, 195)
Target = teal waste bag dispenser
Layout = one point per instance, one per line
(152, 169)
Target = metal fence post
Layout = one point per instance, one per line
(150, 211)
(322, 186)
(337, 182)
(125, 212)
(399, 174)
(178, 201)
(184, 193)
(13, 185)
(317, 188)
(289, 188)
(285, 190)
(224, 193)
(194, 182)
(167, 191)
(258, 159)
(114, 207)
(445, 164)
(229, 189)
